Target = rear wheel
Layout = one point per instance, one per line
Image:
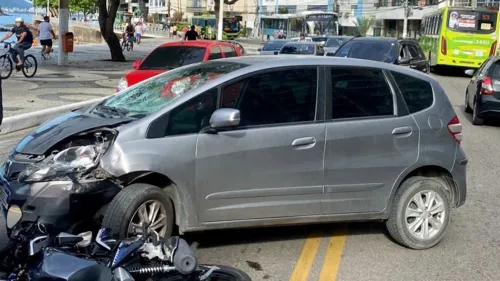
(136, 205)
(224, 273)
(420, 213)
(476, 119)
(6, 67)
(468, 109)
(30, 66)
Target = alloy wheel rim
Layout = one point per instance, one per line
(151, 213)
(425, 214)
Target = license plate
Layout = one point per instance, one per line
(4, 194)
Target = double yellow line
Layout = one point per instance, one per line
(332, 259)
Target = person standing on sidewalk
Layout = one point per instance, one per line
(139, 30)
(46, 33)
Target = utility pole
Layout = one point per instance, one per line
(48, 8)
(63, 28)
(405, 20)
(168, 9)
(221, 15)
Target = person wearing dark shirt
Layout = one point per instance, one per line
(24, 41)
(191, 34)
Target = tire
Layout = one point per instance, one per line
(476, 120)
(126, 203)
(128, 48)
(33, 66)
(397, 222)
(6, 66)
(468, 109)
(431, 68)
(224, 273)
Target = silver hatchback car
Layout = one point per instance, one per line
(250, 142)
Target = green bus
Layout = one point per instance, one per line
(231, 26)
(459, 36)
(203, 22)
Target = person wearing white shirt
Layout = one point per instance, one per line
(46, 33)
(139, 29)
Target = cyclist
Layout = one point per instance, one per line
(24, 41)
(128, 35)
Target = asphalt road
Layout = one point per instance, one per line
(362, 251)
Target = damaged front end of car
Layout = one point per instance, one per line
(64, 188)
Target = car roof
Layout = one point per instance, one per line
(302, 43)
(195, 43)
(386, 39)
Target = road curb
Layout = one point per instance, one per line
(32, 119)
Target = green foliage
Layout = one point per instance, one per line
(83, 6)
(282, 10)
(363, 24)
(43, 3)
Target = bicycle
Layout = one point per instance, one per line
(126, 44)
(7, 62)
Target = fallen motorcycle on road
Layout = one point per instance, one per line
(35, 255)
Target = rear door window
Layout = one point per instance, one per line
(417, 93)
(360, 92)
(229, 52)
(215, 53)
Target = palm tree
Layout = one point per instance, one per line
(363, 24)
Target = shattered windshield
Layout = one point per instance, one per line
(170, 57)
(152, 95)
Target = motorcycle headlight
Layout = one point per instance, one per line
(122, 85)
(73, 159)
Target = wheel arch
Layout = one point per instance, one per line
(182, 201)
(442, 175)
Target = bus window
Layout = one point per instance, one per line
(487, 21)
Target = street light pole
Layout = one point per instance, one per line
(405, 20)
(221, 15)
(48, 8)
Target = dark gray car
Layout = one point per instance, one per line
(251, 142)
(333, 43)
(302, 48)
(272, 46)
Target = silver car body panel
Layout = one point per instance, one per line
(255, 177)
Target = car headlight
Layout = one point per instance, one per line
(122, 85)
(71, 160)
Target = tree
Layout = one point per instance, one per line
(83, 6)
(43, 3)
(107, 17)
(282, 10)
(363, 24)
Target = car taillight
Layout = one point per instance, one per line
(443, 45)
(486, 86)
(493, 48)
(455, 129)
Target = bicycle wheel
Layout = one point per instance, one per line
(224, 273)
(6, 67)
(124, 46)
(128, 47)
(30, 66)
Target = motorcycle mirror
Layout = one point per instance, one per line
(87, 239)
(14, 215)
(184, 259)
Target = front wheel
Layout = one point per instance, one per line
(136, 205)
(223, 273)
(6, 67)
(30, 66)
(420, 213)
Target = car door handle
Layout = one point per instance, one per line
(401, 131)
(307, 141)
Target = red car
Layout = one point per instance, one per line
(176, 54)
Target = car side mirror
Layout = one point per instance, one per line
(470, 72)
(225, 118)
(276, 53)
(259, 49)
(136, 64)
(404, 61)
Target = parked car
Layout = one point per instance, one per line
(175, 54)
(333, 43)
(243, 52)
(403, 52)
(297, 39)
(272, 46)
(301, 48)
(320, 39)
(482, 96)
(338, 140)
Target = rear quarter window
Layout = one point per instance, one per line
(417, 93)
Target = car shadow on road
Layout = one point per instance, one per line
(216, 238)
(445, 71)
(493, 122)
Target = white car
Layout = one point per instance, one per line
(306, 39)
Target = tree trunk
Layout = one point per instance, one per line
(106, 22)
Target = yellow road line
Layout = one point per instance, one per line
(333, 256)
(306, 259)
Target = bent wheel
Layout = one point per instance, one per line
(137, 204)
(420, 213)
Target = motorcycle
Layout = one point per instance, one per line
(146, 257)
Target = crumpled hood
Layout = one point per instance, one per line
(58, 129)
